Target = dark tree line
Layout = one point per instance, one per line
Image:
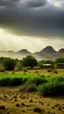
(28, 61)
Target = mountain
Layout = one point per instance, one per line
(48, 49)
(61, 50)
(24, 51)
(47, 53)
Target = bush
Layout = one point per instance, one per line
(31, 84)
(11, 82)
(28, 88)
(9, 64)
(16, 82)
(37, 81)
(42, 76)
(49, 70)
(55, 71)
(25, 70)
(55, 88)
(57, 78)
(5, 82)
(24, 80)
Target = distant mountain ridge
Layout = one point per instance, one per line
(46, 53)
(24, 51)
(48, 49)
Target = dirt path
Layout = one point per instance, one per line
(14, 102)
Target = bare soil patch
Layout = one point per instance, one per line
(14, 102)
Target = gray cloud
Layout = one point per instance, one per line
(34, 3)
(35, 20)
(8, 2)
(27, 3)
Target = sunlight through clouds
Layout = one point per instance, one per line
(14, 42)
(57, 3)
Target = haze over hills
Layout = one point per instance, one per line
(47, 53)
(24, 51)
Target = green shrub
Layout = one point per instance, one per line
(37, 81)
(16, 82)
(55, 88)
(36, 71)
(57, 78)
(31, 84)
(5, 82)
(42, 76)
(28, 88)
(49, 70)
(25, 70)
(24, 80)
(11, 82)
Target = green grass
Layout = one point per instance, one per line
(30, 76)
(5, 75)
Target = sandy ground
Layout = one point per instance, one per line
(14, 102)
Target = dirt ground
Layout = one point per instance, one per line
(14, 102)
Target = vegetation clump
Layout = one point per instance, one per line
(29, 61)
(12, 81)
(59, 60)
(55, 88)
(9, 64)
(37, 81)
(28, 88)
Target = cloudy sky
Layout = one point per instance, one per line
(31, 24)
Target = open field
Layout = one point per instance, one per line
(12, 101)
(16, 102)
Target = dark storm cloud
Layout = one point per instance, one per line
(28, 3)
(8, 2)
(35, 3)
(32, 17)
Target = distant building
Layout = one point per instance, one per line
(60, 65)
(47, 66)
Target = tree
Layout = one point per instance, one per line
(59, 60)
(29, 61)
(9, 64)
